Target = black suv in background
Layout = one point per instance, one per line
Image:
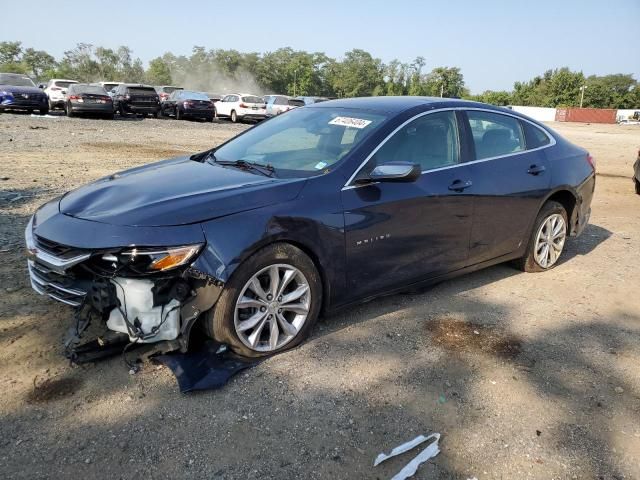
(137, 99)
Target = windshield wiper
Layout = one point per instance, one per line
(265, 169)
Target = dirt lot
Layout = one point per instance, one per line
(524, 375)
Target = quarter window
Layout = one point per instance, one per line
(535, 137)
(494, 134)
(431, 141)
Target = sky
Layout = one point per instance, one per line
(495, 43)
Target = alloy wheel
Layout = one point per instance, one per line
(550, 240)
(272, 308)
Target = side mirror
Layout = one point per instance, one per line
(41, 86)
(394, 172)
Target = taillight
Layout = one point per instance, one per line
(107, 99)
(74, 97)
(127, 97)
(592, 161)
(187, 104)
(242, 105)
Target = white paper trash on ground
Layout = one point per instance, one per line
(411, 467)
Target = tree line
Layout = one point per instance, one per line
(296, 72)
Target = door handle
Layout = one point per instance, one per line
(536, 169)
(459, 185)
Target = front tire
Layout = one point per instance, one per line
(44, 111)
(234, 116)
(270, 304)
(178, 114)
(637, 182)
(547, 240)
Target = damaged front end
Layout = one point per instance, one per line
(140, 295)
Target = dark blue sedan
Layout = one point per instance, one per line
(328, 205)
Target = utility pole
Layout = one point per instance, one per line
(442, 89)
(582, 89)
(295, 81)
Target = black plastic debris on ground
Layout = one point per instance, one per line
(208, 368)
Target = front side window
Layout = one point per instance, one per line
(303, 142)
(494, 134)
(431, 141)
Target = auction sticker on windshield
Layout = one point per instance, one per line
(350, 122)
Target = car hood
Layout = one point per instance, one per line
(16, 89)
(175, 192)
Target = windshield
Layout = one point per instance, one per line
(304, 142)
(16, 80)
(193, 96)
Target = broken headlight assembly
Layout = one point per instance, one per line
(146, 261)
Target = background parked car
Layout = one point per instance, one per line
(277, 104)
(241, 106)
(109, 86)
(185, 103)
(214, 97)
(165, 90)
(310, 100)
(56, 90)
(86, 98)
(138, 99)
(18, 92)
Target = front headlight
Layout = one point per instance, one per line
(149, 260)
(29, 240)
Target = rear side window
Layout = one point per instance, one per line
(431, 141)
(534, 136)
(494, 134)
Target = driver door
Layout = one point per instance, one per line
(398, 233)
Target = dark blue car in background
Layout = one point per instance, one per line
(18, 92)
(327, 205)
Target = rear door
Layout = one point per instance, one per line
(509, 181)
(397, 233)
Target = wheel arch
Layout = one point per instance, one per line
(568, 198)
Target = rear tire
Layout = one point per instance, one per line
(220, 322)
(549, 235)
(178, 114)
(68, 110)
(109, 116)
(234, 116)
(637, 182)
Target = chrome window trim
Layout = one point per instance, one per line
(348, 185)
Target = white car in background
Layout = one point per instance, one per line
(56, 90)
(241, 106)
(277, 104)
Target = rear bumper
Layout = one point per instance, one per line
(583, 205)
(252, 116)
(198, 112)
(92, 107)
(127, 107)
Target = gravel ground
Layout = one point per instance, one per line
(524, 375)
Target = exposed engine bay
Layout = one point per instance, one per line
(139, 296)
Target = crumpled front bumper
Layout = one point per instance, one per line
(167, 306)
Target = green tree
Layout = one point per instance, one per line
(357, 75)
(38, 62)
(158, 72)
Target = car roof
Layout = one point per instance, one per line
(63, 80)
(399, 104)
